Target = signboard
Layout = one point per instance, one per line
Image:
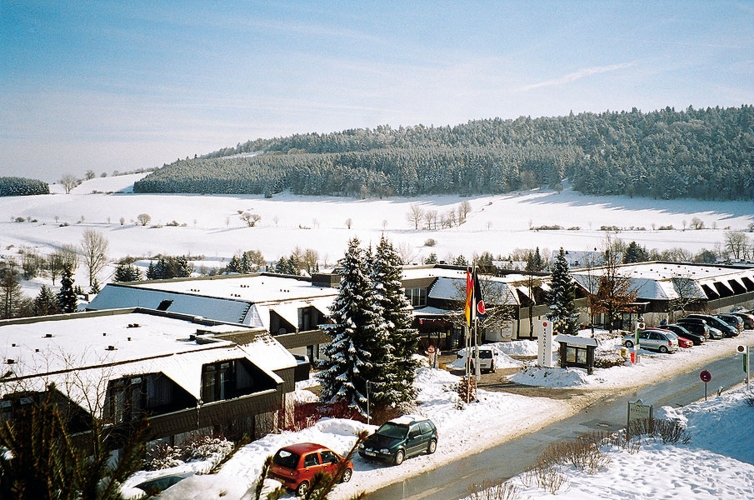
(705, 376)
(638, 411)
(545, 344)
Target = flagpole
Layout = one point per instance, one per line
(474, 299)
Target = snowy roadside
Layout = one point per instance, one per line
(476, 426)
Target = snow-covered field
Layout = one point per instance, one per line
(210, 226)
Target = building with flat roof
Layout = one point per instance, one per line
(182, 373)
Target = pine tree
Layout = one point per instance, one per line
(67, 300)
(126, 272)
(403, 340)
(95, 288)
(561, 298)
(359, 338)
(45, 303)
(10, 290)
(151, 271)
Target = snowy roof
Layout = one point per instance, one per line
(453, 289)
(576, 340)
(655, 280)
(238, 299)
(248, 288)
(81, 352)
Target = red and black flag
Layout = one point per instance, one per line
(479, 309)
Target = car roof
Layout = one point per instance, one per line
(301, 448)
(408, 419)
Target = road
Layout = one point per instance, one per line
(606, 412)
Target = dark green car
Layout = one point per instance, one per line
(401, 438)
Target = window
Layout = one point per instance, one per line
(329, 457)
(126, 399)
(164, 305)
(417, 296)
(311, 460)
(217, 381)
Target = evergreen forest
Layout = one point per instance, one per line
(20, 186)
(664, 154)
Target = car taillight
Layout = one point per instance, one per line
(670, 343)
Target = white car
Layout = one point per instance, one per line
(486, 359)
(654, 339)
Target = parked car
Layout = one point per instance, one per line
(695, 326)
(486, 359)
(157, 485)
(681, 331)
(401, 438)
(657, 340)
(297, 465)
(713, 333)
(732, 320)
(683, 342)
(715, 322)
(748, 319)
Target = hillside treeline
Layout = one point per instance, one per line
(705, 154)
(19, 186)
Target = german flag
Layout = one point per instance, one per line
(469, 308)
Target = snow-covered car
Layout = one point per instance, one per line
(157, 485)
(656, 340)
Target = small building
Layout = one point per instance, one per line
(184, 374)
(577, 351)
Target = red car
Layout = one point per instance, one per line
(297, 465)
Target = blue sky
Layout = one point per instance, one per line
(124, 85)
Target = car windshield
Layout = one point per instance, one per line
(286, 459)
(484, 354)
(392, 430)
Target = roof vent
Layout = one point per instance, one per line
(13, 345)
(48, 335)
(104, 334)
(111, 348)
(10, 361)
(134, 325)
(129, 339)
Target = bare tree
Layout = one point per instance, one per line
(309, 260)
(406, 252)
(94, 247)
(737, 244)
(464, 209)
(69, 182)
(687, 292)
(250, 219)
(143, 219)
(615, 292)
(415, 215)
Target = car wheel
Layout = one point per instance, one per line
(399, 456)
(663, 349)
(629, 344)
(432, 446)
(302, 488)
(346, 475)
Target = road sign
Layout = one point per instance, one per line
(705, 376)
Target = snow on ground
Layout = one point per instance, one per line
(209, 226)
(712, 465)
(716, 457)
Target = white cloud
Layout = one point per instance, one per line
(578, 75)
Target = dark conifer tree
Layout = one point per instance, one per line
(45, 303)
(402, 338)
(563, 312)
(126, 272)
(359, 337)
(67, 299)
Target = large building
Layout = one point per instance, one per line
(183, 373)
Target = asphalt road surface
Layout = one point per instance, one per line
(607, 412)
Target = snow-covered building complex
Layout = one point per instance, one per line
(182, 373)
